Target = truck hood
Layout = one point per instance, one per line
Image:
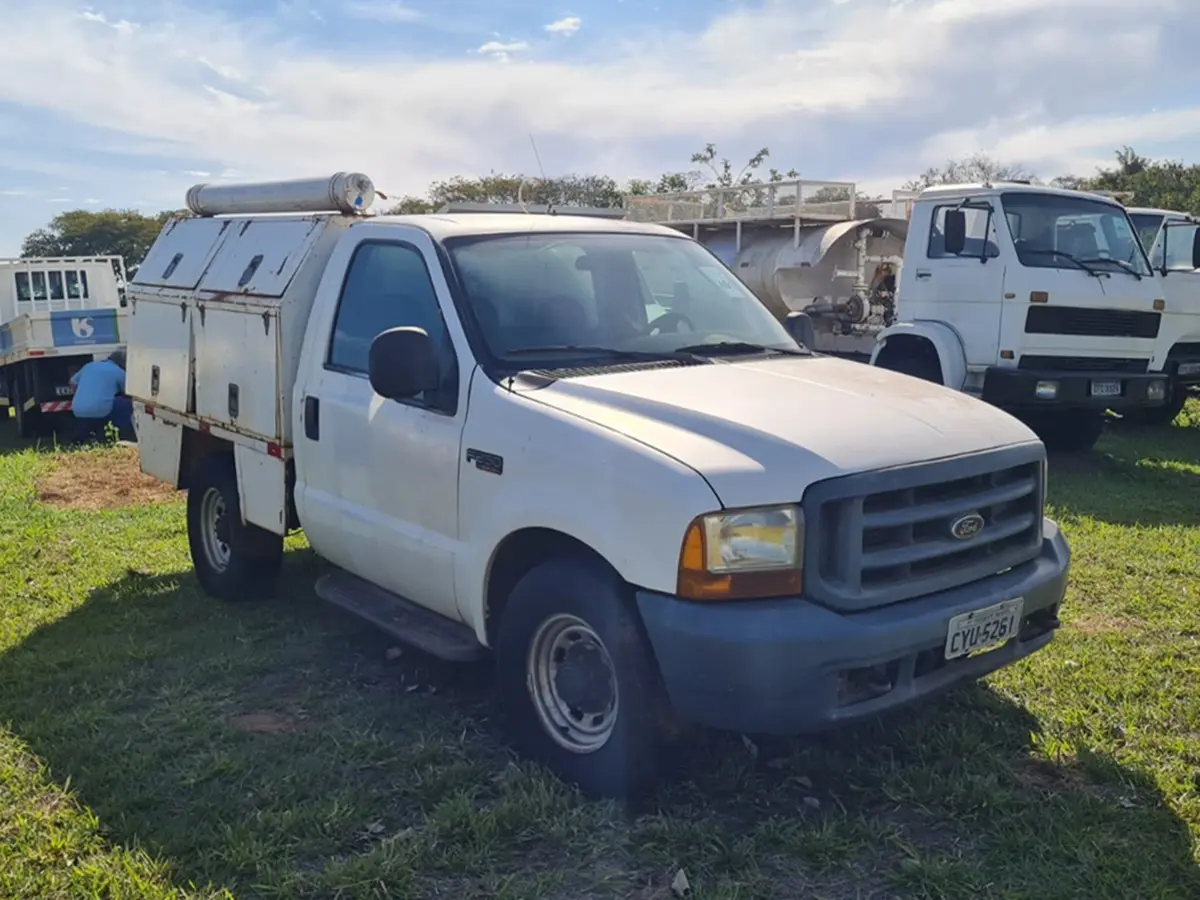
(761, 431)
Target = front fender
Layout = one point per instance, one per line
(943, 338)
(628, 502)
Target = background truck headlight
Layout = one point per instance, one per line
(1156, 390)
(743, 554)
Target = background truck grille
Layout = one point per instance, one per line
(1082, 364)
(1081, 322)
(882, 537)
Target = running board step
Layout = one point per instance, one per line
(403, 619)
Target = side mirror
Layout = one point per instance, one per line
(403, 364)
(1196, 248)
(800, 326)
(955, 231)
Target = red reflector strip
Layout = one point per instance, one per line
(275, 450)
(56, 406)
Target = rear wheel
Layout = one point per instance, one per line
(577, 680)
(28, 420)
(233, 560)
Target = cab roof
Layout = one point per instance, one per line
(1008, 187)
(447, 225)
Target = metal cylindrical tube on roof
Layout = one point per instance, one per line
(345, 192)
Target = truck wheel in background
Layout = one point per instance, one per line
(28, 420)
(1068, 431)
(577, 680)
(233, 561)
(1159, 415)
(912, 356)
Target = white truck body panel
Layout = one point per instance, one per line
(231, 298)
(59, 306)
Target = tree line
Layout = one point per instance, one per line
(1140, 181)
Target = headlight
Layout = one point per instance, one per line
(743, 554)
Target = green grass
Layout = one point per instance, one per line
(154, 743)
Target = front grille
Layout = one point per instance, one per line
(1082, 364)
(1082, 322)
(876, 538)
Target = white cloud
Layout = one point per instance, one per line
(502, 50)
(865, 91)
(382, 11)
(565, 26)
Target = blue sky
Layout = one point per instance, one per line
(125, 104)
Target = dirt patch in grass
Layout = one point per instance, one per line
(1103, 623)
(268, 723)
(101, 479)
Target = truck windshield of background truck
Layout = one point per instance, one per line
(625, 293)
(1147, 225)
(1055, 231)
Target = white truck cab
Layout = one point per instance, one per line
(1036, 299)
(1039, 300)
(646, 505)
(1172, 239)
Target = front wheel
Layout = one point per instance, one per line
(1160, 415)
(577, 680)
(233, 561)
(1069, 432)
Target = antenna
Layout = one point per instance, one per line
(542, 169)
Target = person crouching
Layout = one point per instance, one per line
(99, 389)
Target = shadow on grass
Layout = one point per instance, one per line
(1136, 476)
(282, 749)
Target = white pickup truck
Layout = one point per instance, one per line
(56, 314)
(502, 443)
(1172, 239)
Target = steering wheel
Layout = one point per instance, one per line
(659, 325)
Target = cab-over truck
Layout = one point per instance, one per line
(506, 444)
(1036, 299)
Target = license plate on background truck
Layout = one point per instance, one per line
(1106, 389)
(984, 628)
(1188, 368)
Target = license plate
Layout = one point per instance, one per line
(64, 390)
(1189, 368)
(1106, 389)
(984, 628)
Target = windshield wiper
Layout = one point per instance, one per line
(1065, 255)
(1128, 267)
(597, 350)
(736, 348)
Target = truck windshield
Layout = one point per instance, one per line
(1056, 231)
(1147, 225)
(598, 293)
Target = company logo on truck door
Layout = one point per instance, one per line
(83, 327)
(966, 527)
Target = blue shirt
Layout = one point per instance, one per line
(96, 384)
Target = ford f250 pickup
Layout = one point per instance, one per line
(582, 448)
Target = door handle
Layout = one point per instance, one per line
(924, 274)
(312, 418)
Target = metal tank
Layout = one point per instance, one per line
(801, 246)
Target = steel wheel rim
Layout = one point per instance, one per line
(214, 529)
(574, 727)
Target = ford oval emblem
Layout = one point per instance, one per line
(965, 528)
